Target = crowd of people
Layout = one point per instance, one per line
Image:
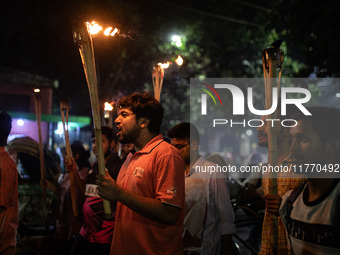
(161, 204)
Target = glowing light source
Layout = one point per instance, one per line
(176, 40)
(20, 122)
(36, 90)
(179, 60)
(164, 65)
(108, 106)
(110, 31)
(96, 28)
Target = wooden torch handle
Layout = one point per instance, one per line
(37, 100)
(83, 39)
(64, 108)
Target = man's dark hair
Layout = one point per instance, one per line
(108, 132)
(325, 121)
(144, 106)
(78, 148)
(5, 127)
(184, 131)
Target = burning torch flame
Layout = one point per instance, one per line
(96, 28)
(108, 106)
(165, 65)
(108, 32)
(179, 60)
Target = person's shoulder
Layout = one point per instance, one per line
(167, 149)
(291, 195)
(287, 195)
(7, 158)
(207, 162)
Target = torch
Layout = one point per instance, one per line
(82, 37)
(37, 101)
(64, 110)
(272, 58)
(158, 76)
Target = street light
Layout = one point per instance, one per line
(176, 40)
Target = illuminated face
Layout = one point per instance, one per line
(305, 144)
(183, 146)
(106, 145)
(128, 130)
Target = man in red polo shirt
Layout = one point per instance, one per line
(150, 185)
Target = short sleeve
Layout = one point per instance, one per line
(169, 180)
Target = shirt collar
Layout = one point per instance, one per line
(153, 143)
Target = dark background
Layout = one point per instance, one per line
(222, 39)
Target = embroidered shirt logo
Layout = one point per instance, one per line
(139, 171)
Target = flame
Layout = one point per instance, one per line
(107, 31)
(108, 106)
(179, 60)
(115, 31)
(94, 28)
(110, 32)
(165, 65)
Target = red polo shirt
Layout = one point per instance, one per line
(156, 171)
(9, 199)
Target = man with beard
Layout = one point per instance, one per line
(311, 212)
(285, 182)
(150, 185)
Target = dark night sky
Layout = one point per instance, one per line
(37, 37)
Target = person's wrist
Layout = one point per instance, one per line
(120, 193)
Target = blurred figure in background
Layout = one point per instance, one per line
(209, 216)
(95, 235)
(68, 225)
(124, 150)
(9, 216)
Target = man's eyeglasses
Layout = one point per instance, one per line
(181, 146)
